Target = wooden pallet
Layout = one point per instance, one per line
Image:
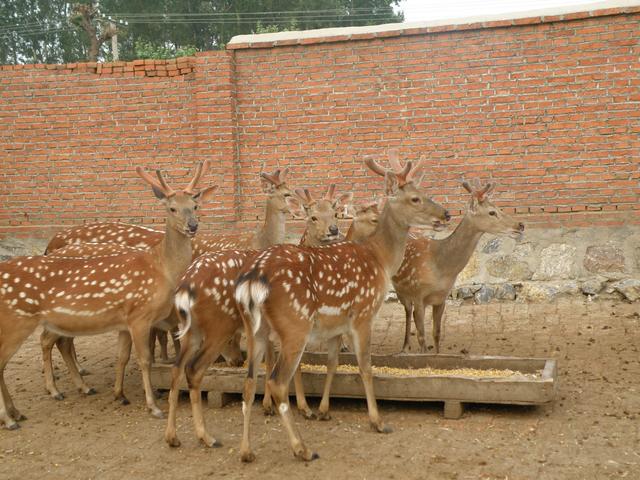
(453, 390)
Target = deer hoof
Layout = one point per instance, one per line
(83, 371)
(91, 391)
(382, 428)
(173, 442)
(324, 416)
(12, 426)
(17, 416)
(211, 443)
(308, 414)
(247, 457)
(58, 396)
(268, 411)
(157, 413)
(307, 455)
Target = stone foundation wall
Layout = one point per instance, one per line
(550, 262)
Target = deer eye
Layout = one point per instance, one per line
(195, 207)
(415, 200)
(492, 213)
(173, 210)
(314, 219)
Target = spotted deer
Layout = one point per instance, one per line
(209, 316)
(294, 293)
(87, 296)
(430, 267)
(272, 232)
(365, 221)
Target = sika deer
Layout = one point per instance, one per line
(86, 296)
(430, 267)
(365, 222)
(271, 233)
(209, 317)
(296, 292)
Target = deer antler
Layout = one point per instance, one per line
(305, 196)
(274, 178)
(201, 169)
(170, 191)
(330, 192)
(160, 187)
(404, 175)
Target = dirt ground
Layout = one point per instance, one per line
(591, 431)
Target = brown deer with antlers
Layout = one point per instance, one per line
(296, 292)
(209, 317)
(430, 267)
(87, 296)
(82, 241)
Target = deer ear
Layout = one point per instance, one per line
(342, 199)
(347, 212)
(204, 194)
(390, 183)
(284, 174)
(296, 207)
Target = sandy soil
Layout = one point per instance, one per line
(590, 431)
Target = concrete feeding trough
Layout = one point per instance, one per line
(454, 380)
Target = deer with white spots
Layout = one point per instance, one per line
(295, 293)
(430, 267)
(207, 308)
(88, 296)
(81, 241)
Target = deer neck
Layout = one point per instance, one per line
(173, 253)
(273, 230)
(454, 252)
(389, 240)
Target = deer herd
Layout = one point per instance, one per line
(208, 290)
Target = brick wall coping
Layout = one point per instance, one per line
(530, 17)
(143, 68)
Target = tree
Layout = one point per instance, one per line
(41, 30)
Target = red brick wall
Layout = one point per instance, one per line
(549, 110)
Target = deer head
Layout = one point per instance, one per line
(411, 207)
(487, 217)
(181, 206)
(275, 186)
(365, 220)
(321, 214)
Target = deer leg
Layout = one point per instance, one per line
(175, 341)
(81, 370)
(255, 352)
(185, 355)
(47, 341)
(152, 344)
(362, 342)
(301, 399)
(10, 341)
(267, 403)
(408, 311)
(67, 350)
(140, 336)
(287, 363)
(438, 310)
(333, 346)
(124, 352)
(195, 373)
(418, 319)
(161, 335)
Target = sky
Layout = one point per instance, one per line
(422, 10)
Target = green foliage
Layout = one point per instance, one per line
(159, 52)
(41, 31)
